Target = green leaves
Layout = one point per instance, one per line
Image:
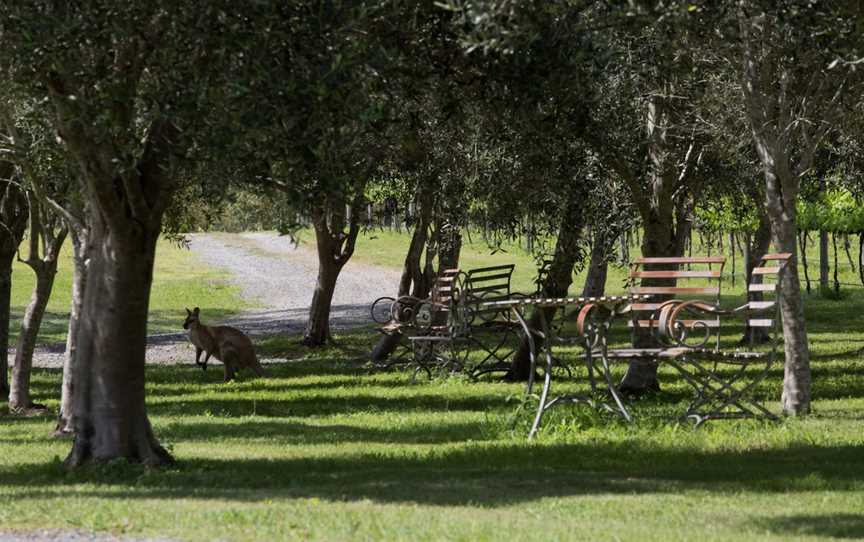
(838, 212)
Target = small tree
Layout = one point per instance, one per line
(793, 80)
(48, 231)
(55, 198)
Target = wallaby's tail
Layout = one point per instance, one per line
(259, 370)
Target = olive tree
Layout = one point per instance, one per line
(126, 82)
(55, 201)
(794, 68)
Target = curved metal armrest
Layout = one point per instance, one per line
(590, 323)
(404, 309)
(673, 331)
(583, 322)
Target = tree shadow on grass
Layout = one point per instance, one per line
(288, 433)
(322, 405)
(212, 383)
(477, 475)
(843, 526)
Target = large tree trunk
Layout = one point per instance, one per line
(788, 123)
(110, 413)
(558, 280)
(664, 195)
(66, 418)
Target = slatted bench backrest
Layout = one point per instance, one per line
(766, 280)
(487, 284)
(675, 278)
(444, 287)
(442, 294)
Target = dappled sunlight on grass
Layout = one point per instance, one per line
(327, 448)
(327, 439)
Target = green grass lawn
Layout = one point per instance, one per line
(180, 280)
(326, 450)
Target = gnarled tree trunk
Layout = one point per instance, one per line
(125, 220)
(335, 248)
(110, 414)
(780, 194)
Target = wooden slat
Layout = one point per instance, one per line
(503, 278)
(503, 288)
(493, 268)
(777, 256)
(762, 304)
(713, 290)
(688, 323)
(760, 322)
(766, 270)
(644, 306)
(682, 260)
(675, 274)
(762, 287)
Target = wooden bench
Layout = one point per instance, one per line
(409, 317)
(726, 379)
(490, 328)
(455, 319)
(667, 279)
(684, 331)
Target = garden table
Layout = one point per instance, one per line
(594, 341)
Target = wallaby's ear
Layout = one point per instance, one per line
(188, 311)
(196, 310)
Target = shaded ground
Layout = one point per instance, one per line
(277, 278)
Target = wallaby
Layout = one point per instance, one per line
(225, 343)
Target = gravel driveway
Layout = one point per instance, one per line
(278, 279)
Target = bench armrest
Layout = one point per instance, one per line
(674, 330)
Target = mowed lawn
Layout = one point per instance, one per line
(326, 449)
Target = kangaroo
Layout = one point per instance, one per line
(225, 343)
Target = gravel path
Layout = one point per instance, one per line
(276, 277)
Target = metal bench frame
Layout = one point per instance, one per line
(724, 380)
